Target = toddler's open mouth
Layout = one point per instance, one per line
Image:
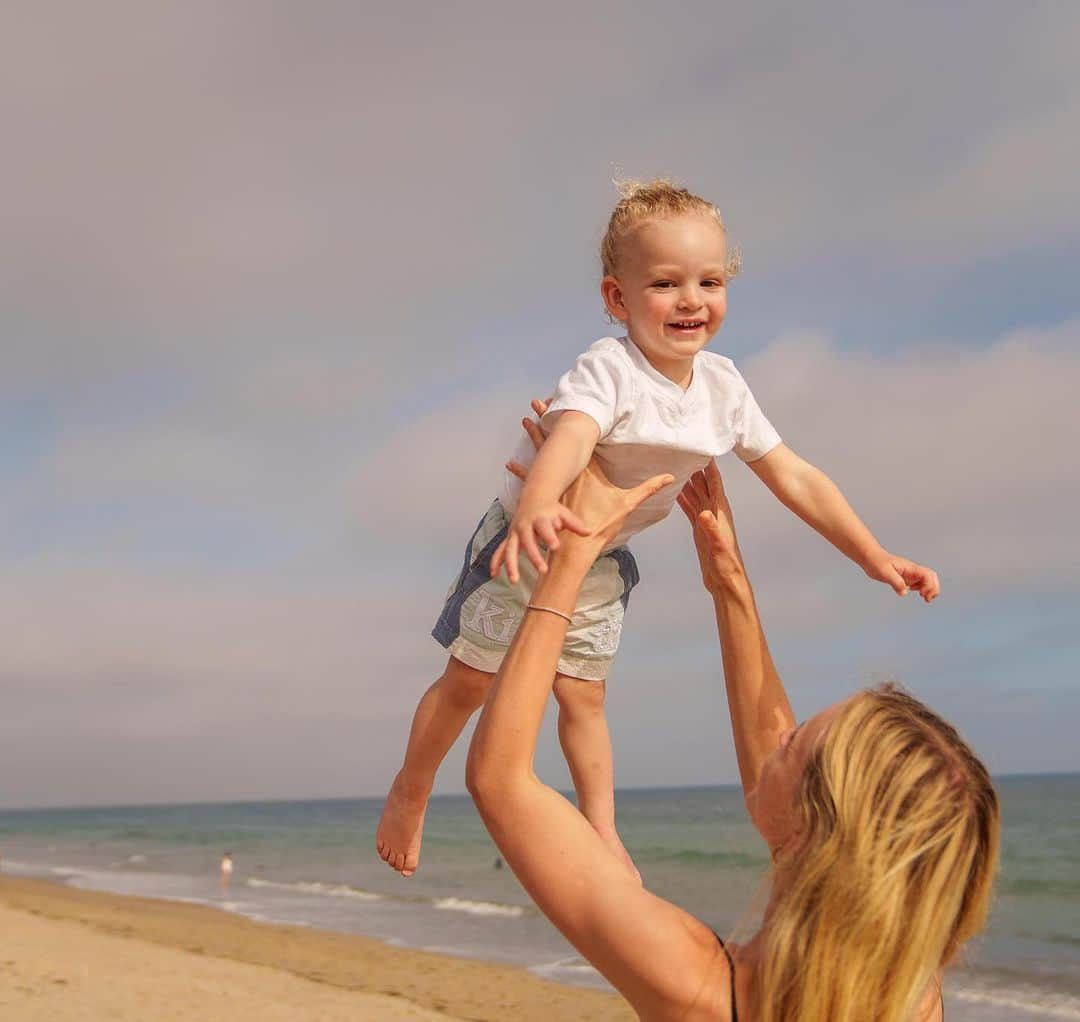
(687, 326)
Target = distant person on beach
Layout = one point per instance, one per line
(226, 871)
(652, 400)
(882, 824)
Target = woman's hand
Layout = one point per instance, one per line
(705, 504)
(599, 504)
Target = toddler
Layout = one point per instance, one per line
(649, 402)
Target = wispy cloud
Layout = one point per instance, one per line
(276, 288)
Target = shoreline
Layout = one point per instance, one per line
(64, 943)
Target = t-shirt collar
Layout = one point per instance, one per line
(671, 389)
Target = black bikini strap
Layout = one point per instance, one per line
(731, 970)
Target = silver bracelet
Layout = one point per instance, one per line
(550, 610)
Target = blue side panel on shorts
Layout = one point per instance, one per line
(468, 547)
(448, 627)
(627, 569)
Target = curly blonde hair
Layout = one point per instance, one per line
(894, 871)
(640, 201)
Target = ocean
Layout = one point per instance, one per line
(313, 863)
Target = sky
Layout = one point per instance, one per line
(277, 282)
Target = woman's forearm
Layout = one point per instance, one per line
(757, 701)
(505, 739)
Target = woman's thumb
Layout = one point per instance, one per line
(654, 485)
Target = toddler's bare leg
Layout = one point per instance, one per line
(586, 743)
(442, 713)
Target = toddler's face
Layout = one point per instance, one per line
(671, 290)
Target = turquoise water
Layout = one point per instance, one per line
(313, 863)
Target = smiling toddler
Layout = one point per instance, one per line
(648, 402)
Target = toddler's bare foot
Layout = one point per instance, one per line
(611, 838)
(401, 828)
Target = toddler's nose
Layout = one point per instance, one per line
(690, 299)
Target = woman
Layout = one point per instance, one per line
(882, 824)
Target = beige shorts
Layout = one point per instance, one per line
(482, 613)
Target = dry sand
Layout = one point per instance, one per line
(69, 955)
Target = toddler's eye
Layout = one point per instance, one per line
(712, 283)
(664, 284)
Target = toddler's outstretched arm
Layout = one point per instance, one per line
(817, 500)
(540, 515)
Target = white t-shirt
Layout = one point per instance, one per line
(649, 425)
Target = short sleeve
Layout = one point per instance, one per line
(754, 434)
(596, 384)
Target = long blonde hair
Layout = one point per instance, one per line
(889, 873)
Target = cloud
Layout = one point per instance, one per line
(963, 452)
(125, 682)
(277, 288)
(193, 185)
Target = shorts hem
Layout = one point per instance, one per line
(489, 661)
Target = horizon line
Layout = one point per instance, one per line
(442, 795)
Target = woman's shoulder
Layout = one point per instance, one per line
(717, 998)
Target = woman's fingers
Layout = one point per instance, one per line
(532, 427)
(643, 491)
(692, 497)
(573, 523)
(687, 509)
(539, 406)
(714, 481)
(712, 524)
(515, 468)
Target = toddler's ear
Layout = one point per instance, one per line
(611, 292)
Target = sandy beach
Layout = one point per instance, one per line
(71, 954)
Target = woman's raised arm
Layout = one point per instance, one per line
(658, 956)
(759, 707)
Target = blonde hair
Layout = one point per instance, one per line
(896, 854)
(640, 201)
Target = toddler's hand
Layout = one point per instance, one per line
(530, 527)
(902, 575)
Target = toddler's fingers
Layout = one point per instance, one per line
(929, 585)
(497, 558)
(539, 406)
(515, 468)
(532, 551)
(896, 580)
(511, 557)
(547, 534)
